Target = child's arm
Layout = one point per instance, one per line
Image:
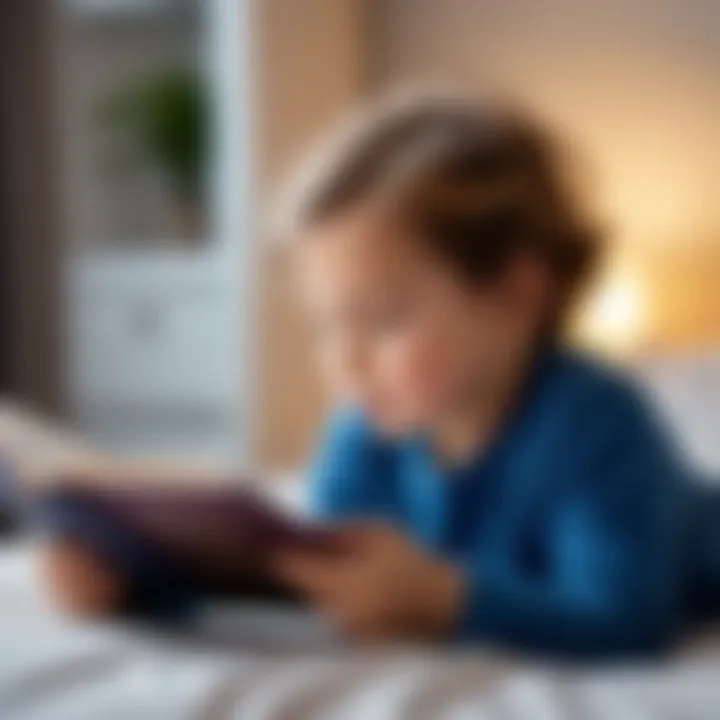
(612, 586)
(347, 474)
(81, 582)
(614, 543)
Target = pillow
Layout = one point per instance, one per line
(686, 389)
(37, 446)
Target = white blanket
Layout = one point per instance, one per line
(268, 664)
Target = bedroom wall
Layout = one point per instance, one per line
(310, 70)
(635, 85)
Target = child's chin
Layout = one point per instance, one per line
(395, 425)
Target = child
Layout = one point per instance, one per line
(488, 484)
(519, 493)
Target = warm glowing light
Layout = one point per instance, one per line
(615, 317)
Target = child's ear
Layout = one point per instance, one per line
(528, 287)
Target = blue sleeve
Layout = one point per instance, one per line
(346, 469)
(613, 586)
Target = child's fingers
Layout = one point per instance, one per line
(312, 574)
(363, 536)
(351, 534)
(80, 582)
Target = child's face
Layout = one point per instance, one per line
(397, 332)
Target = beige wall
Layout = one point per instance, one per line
(309, 72)
(635, 85)
(683, 289)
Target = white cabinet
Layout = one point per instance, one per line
(159, 335)
(152, 356)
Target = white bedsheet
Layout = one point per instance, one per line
(278, 665)
(264, 664)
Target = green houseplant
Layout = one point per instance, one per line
(165, 115)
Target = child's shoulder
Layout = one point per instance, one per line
(352, 467)
(350, 426)
(593, 382)
(350, 433)
(610, 422)
(590, 397)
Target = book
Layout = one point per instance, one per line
(177, 544)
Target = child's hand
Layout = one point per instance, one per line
(381, 586)
(79, 582)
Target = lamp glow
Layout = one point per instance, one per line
(615, 317)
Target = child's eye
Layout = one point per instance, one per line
(389, 320)
(379, 321)
(322, 331)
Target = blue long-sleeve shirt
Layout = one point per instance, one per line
(572, 527)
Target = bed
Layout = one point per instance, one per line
(277, 663)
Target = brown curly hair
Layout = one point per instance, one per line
(480, 182)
